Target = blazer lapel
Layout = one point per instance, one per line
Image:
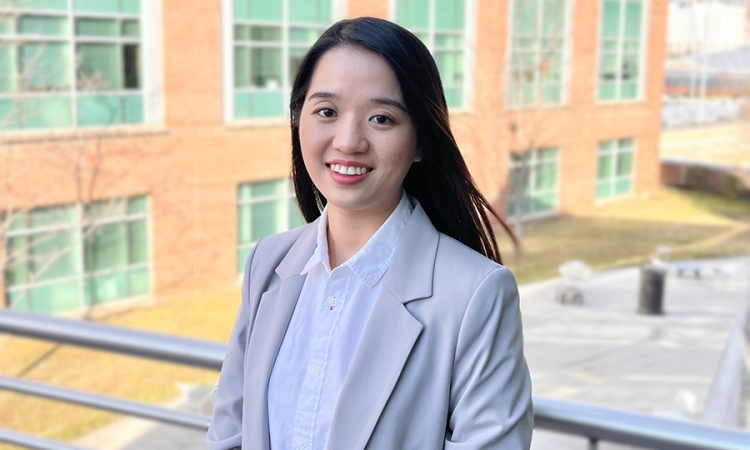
(388, 338)
(271, 321)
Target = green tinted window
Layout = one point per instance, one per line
(540, 190)
(620, 49)
(614, 168)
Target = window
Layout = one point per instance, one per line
(67, 257)
(538, 52)
(270, 38)
(264, 209)
(620, 49)
(66, 63)
(541, 192)
(441, 25)
(614, 168)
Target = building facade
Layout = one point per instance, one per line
(147, 146)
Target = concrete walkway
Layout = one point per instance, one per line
(601, 352)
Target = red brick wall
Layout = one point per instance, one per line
(192, 165)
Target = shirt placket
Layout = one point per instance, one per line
(327, 316)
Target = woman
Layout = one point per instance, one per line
(387, 322)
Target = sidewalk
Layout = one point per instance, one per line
(601, 352)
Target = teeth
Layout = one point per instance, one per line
(348, 170)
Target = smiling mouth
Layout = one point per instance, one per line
(349, 170)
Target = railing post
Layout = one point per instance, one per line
(593, 443)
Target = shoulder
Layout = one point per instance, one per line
(465, 267)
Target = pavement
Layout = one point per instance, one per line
(685, 363)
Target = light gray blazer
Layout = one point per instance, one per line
(440, 364)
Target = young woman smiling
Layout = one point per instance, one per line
(387, 322)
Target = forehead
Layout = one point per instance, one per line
(351, 72)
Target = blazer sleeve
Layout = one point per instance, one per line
(490, 397)
(225, 431)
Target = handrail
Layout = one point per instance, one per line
(33, 442)
(593, 422)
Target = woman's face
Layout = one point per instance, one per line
(357, 139)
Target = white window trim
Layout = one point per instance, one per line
(470, 45)
(643, 57)
(533, 163)
(338, 12)
(567, 62)
(614, 179)
(151, 62)
(78, 225)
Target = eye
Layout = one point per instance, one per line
(326, 112)
(381, 119)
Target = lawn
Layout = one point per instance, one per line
(625, 232)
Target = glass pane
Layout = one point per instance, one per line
(624, 144)
(8, 68)
(268, 189)
(604, 167)
(131, 28)
(265, 34)
(546, 177)
(295, 59)
(449, 14)
(603, 190)
(303, 35)
(545, 202)
(16, 257)
(243, 224)
(137, 205)
(629, 90)
(633, 14)
(7, 25)
(553, 17)
(295, 216)
(99, 110)
(525, 17)
(101, 6)
(611, 18)
(106, 287)
(624, 164)
(242, 105)
(546, 154)
(241, 33)
(241, 9)
(106, 247)
(453, 97)
(266, 68)
(45, 112)
(52, 216)
(630, 68)
(97, 27)
(413, 13)
(242, 256)
(53, 255)
(39, 25)
(104, 209)
(451, 67)
(44, 66)
(100, 67)
(131, 60)
(607, 91)
(51, 5)
(449, 41)
(54, 297)
(623, 186)
(132, 108)
(139, 281)
(130, 6)
(138, 241)
(267, 104)
(552, 93)
(8, 115)
(310, 11)
(241, 67)
(265, 10)
(266, 219)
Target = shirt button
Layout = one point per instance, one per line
(314, 371)
(331, 301)
(301, 443)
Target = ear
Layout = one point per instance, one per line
(419, 155)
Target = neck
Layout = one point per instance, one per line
(349, 231)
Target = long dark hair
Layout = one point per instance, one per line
(440, 181)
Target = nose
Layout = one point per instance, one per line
(349, 136)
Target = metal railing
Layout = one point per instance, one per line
(592, 422)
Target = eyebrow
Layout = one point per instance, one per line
(381, 100)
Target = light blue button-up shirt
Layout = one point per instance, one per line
(323, 334)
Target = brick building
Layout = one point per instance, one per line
(177, 109)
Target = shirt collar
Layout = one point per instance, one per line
(373, 259)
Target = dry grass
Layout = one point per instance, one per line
(626, 232)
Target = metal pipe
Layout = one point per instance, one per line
(130, 408)
(33, 442)
(192, 352)
(635, 429)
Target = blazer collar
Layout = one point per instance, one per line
(300, 253)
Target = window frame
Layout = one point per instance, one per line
(469, 35)
(612, 181)
(78, 225)
(566, 63)
(534, 162)
(338, 12)
(149, 20)
(642, 49)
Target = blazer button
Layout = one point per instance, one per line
(301, 443)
